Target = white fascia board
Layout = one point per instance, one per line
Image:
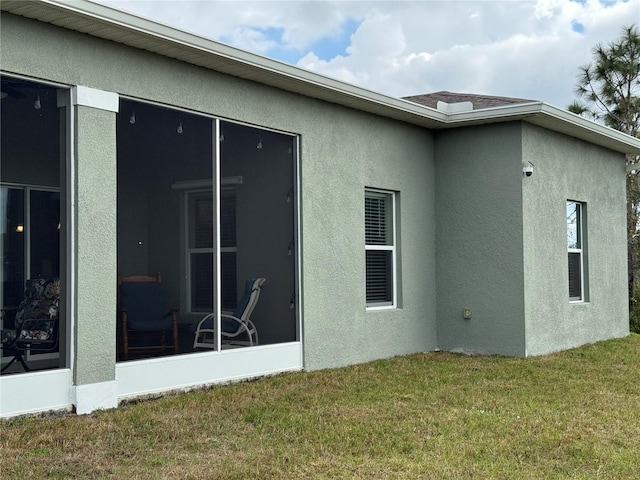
(552, 118)
(298, 80)
(290, 74)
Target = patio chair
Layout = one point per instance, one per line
(36, 322)
(237, 327)
(144, 323)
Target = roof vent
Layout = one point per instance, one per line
(454, 107)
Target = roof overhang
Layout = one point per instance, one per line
(552, 118)
(121, 27)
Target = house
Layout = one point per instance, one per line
(382, 226)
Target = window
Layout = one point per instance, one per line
(200, 250)
(380, 248)
(31, 230)
(575, 249)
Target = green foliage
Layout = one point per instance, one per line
(608, 91)
(634, 317)
(634, 309)
(609, 88)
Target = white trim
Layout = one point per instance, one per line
(579, 250)
(96, 396)
(105, 22)
(164, 374)
(34, 392)
(553, 118)
(217, 299)
(71, 230)
(389, 248)
(456, 107)
(297, 247)
(94, 98)
(206, 183)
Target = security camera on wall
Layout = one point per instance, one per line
(528, 169)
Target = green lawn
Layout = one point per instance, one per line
(436, 415)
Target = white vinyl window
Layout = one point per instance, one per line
(380, 248)
(575, 250)
(200, 250)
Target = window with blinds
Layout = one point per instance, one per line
(380, 248)
(200, 250)
(575, 251)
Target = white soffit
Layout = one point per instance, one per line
(552, 118)
(115, 25)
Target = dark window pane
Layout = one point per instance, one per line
(575, 276)
(229, 280)
(228, 220)
(13, 231)
(45, 234)
(201, 220)
(202, 282)
(379, 276)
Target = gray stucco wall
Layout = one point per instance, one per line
(361, 151)
(570, 169)
(95, 246)
(479, 239)
(342, 152)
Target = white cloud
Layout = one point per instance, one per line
(521, 48)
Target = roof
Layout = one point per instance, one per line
(479, 101)
(114, 25)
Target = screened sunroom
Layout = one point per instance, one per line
(210, 206)
(33, 225)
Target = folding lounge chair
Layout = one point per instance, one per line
(237, 327)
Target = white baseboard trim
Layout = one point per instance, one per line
(96, 396)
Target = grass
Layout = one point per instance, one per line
(436, 415)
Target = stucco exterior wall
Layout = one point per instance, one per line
(570, 169)
(479, 239)
(342, 152)
(95, 246)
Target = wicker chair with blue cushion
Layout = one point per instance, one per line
(36, 321)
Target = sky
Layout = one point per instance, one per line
(528, 49)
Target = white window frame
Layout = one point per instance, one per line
(578, 248)
(189, 251)
(393, 302)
